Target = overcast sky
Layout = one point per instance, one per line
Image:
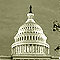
(13, 15)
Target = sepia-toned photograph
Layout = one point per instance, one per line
(29, 29)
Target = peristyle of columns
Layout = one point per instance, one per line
(30, 48)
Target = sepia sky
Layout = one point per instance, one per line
(13, 15)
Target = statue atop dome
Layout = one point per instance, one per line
(30, 9)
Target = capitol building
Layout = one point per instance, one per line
(30, 43)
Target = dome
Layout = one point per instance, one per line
(30, 39)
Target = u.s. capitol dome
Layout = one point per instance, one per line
(30, 39)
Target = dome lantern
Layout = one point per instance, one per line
(30, 16)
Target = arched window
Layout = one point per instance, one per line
(36, 37)
(33, 32)
(25, 38)
(20, 38)
(32, 27)
(28, 27)
(24, 32)
(33, 38)
(36, 32)
(20, 33)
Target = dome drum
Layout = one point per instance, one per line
(30, 48)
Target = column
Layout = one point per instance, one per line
(23, 37)
(32, 37)
(16, 49)
(48, 50)
(44, 49)
(36, 48)
(20, 48)
(11, 50)
(35, 37)
(40, 49)
(32, 48)
(26, 37)
(29, 37)
(27, 48)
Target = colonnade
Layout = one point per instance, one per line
(29, 48)
(28, 37)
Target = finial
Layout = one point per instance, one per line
(30, 9)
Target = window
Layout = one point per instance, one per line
(20, 33)
(33, 32)
(18, 39)
(36, 37)
(22, 38)
(25, 38)
(24, 32)
(30, 32)
(36, 32)
(28, 27)
(32, 27)
(33, 38)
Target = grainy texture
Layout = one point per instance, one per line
(13, 15)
